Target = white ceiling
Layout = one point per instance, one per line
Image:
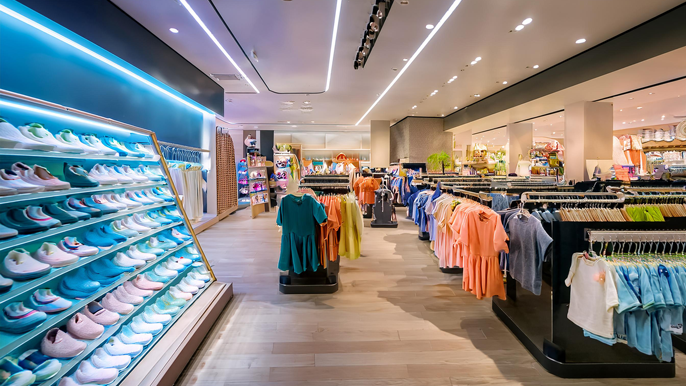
(292, 41)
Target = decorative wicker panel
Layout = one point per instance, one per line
(227, 188)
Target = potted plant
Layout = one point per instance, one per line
(439, 161)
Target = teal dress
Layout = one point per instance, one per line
(299, 217)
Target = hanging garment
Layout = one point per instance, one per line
(528, 245)
(299, 216)
(351, 229)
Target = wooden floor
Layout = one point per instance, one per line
(397, 320)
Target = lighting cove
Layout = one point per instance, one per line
(377, 18)
(216, 42)
(426, 41)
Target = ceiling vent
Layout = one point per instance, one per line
(227, 76)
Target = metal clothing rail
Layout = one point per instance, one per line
(663, 236)
(571, 197)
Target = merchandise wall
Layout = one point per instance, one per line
(99, 258)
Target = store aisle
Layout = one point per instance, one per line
(396, 321)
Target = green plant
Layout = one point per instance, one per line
(438, 161)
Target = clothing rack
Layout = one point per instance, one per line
(172, 152)
(481, 198)
(540, 321)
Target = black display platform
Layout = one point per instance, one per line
(391, 225)
(321, 281)
(454, 270)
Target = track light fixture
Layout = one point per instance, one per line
(377, 18)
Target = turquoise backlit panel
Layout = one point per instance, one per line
(36, 64)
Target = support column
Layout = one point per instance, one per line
(520, 137)
(380, 138)
(462, 141)
(588, 136)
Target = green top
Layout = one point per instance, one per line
(299, 216)
(645, 213)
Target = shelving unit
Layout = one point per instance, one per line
(24, 109)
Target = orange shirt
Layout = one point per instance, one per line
(367, 188)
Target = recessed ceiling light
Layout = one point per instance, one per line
(174, 30)
(478, 58)
(455, 108)
(621, 110)
(642, 120)
(663, 118)
(426, 41)
(477, 95)
(519, 27)
(414, 107)
(312, 121)
(580, 41)
(504, 82)
(443, 115)
(405, 60)
(623, 123)
(435, 91)
(307, 102)
(651, 93)
(527, 21)
(429, 26)
(638, 108)
(288, 121)
(536, 66)
(473, 62)
(553, 132)
(216, 42)
(631, 99)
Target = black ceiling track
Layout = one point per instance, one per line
(251, 63)
(377, 18)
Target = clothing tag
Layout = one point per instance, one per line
(483, 216)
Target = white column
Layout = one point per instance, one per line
(380, 138)
(519, 141)
(588, 136)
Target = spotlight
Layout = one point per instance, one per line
(378, 16)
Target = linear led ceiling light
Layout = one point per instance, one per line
(216, 42)
(333, 42)
(414, 56)
(95, 55)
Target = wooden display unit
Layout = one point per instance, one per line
(260, 201)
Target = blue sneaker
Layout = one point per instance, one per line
(109, 232)
(168, 235)
(144, 170)
(78, 285)
(155, 277)
(147, 248)
(164, 239)
(105, 276)
(42, 366)
(107, 268)
(162, 307)
(18, 319)
(45, 301)
(78, 205)
(133, 149)
(128, 336)
(170, 300)
(171, 215)
(96, 238)
(98, 204)
(156, 217)
(157, 243)
(13, 374)
(32, 359)
(116, 146)
(118, 228)
(162, 194)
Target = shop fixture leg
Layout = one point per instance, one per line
(322, 281)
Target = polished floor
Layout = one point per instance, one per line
(397, 320)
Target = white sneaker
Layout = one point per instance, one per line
(115, 346)
(67, 137)
(179, 294)
(172, 265)
(135, 253)
(123, 200)
(181, 260)
(164, 272)
(94, 141)
(140, 219)
(71, 381)
(140, 326)
(151, 196)
(150, 316)
(123, 179)
(194, 282)
(129, 223)
(37, 132)
(128, 336)
(103, 199)
(101, 359)
(11, 138)
(103, 178)
(131, 195)
(49, 253)
(199, 276)
(136, 177)
(87, 373)
(12, 180)
(123, 260)
(185, 287)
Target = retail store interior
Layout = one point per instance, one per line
(342, 192)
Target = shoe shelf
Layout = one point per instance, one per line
(23, 289)
(73, 156)
(19, 343)
(70, 365)
(23, 239)
(158, 337)
(28, 197)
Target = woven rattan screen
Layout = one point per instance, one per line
(227, 189)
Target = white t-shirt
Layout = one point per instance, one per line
(593, 295)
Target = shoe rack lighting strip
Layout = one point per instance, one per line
(19, 240)
(20, 342)
(20, 288)
(27, 197)
(72, 363)
(54, 154)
